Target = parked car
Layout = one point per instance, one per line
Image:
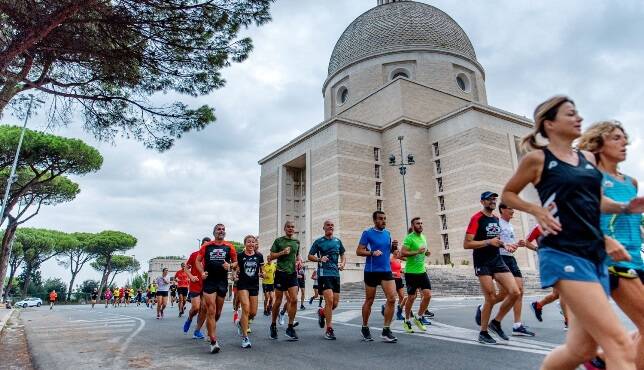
(29, 302)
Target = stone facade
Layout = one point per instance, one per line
(462, 147)
(156, 265)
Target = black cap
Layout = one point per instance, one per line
(488, 194)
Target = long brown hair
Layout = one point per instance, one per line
(546, 111)
(593, 138)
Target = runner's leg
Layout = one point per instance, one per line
(292, 304)
(244, 302)
(592, 323)
(489, 295)
(370, 295)
(507, 281)
(389, 288)
(629, 296)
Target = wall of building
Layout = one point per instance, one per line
(156, 265)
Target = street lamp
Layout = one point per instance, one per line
(402, 167)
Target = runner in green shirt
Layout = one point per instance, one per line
(415, 249)
(285, 250)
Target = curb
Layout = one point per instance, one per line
(3, 322)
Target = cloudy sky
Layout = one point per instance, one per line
(591, 50)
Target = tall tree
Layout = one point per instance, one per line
(44, 162)
(119, 264)
(55, 284)
(16, 259)
(105, 245)
(110, 58)
(88, 286)
(39, 245)
(76, 256)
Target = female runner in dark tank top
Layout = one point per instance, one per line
(572, 251)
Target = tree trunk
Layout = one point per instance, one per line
(106, 272)
(12, 274)
(71, 285)
(28, 270)
(6, 245)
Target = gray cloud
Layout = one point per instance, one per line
(530, 50)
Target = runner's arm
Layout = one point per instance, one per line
(199, 262)
(343, 261)
(470, 243)
(362, 251)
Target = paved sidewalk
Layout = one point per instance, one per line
(4, 317)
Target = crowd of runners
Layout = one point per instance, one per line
(588, 241)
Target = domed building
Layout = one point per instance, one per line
(403, 79)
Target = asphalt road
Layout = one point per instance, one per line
(75, 337)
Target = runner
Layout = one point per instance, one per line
(108, 297)
(285, 250)
(415, 250)
(121, 296)
(267, 285)
(163, 285)
(396, 272)
(483, 236)
(139, 297)
(301, 280)
(573, 251)
(510, 245)
(116, 293)
(195, 287)
(376, 244)
(94, 297)
(148, 295)
(173, 291)
(328, 253)
(608, 142)
(181, 278)
(316, 295)
(153, 293)
(52, 298)
(126, 291)
(214, 262)
(249, 266)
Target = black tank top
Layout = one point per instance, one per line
(576, 193)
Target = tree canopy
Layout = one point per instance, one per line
(111, 59)
(105, 245)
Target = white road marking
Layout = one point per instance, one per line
(347, 315)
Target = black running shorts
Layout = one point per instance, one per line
(191, 295)
(373, 279)
(182, 291)
(268, 288)
(301, 283)
(614, 278)
(399, 283)
(511, 262)
(284, 280)
(162, 294)
(491, 267)
(417, 281)
(219, 286)
(329, 282)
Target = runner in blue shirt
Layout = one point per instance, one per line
(376, 244)
(328, 252)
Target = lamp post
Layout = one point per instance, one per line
(402, 167)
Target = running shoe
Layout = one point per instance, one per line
(214, 347)
(158, 317)
(522, 331)
(186, 326)
(425, 320)
(245, 342)
(538, 311)
(495, 326)
(321, 318)
(310, 301)
(329, 334)
(198, 335)
(296, 323)
(290, 334)
(281, 319)
(366, 334)
(302, 307)
(407, 326)
(382, 310)
(477, 318)
(399, 315)
(419, 324)
(486, 338)
(388, 336)
(429, 314)
(273, 331)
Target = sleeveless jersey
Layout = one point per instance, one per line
(573, 195)
(625, 228)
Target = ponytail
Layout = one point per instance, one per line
(546, 111)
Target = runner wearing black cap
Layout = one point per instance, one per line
(483, 236)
